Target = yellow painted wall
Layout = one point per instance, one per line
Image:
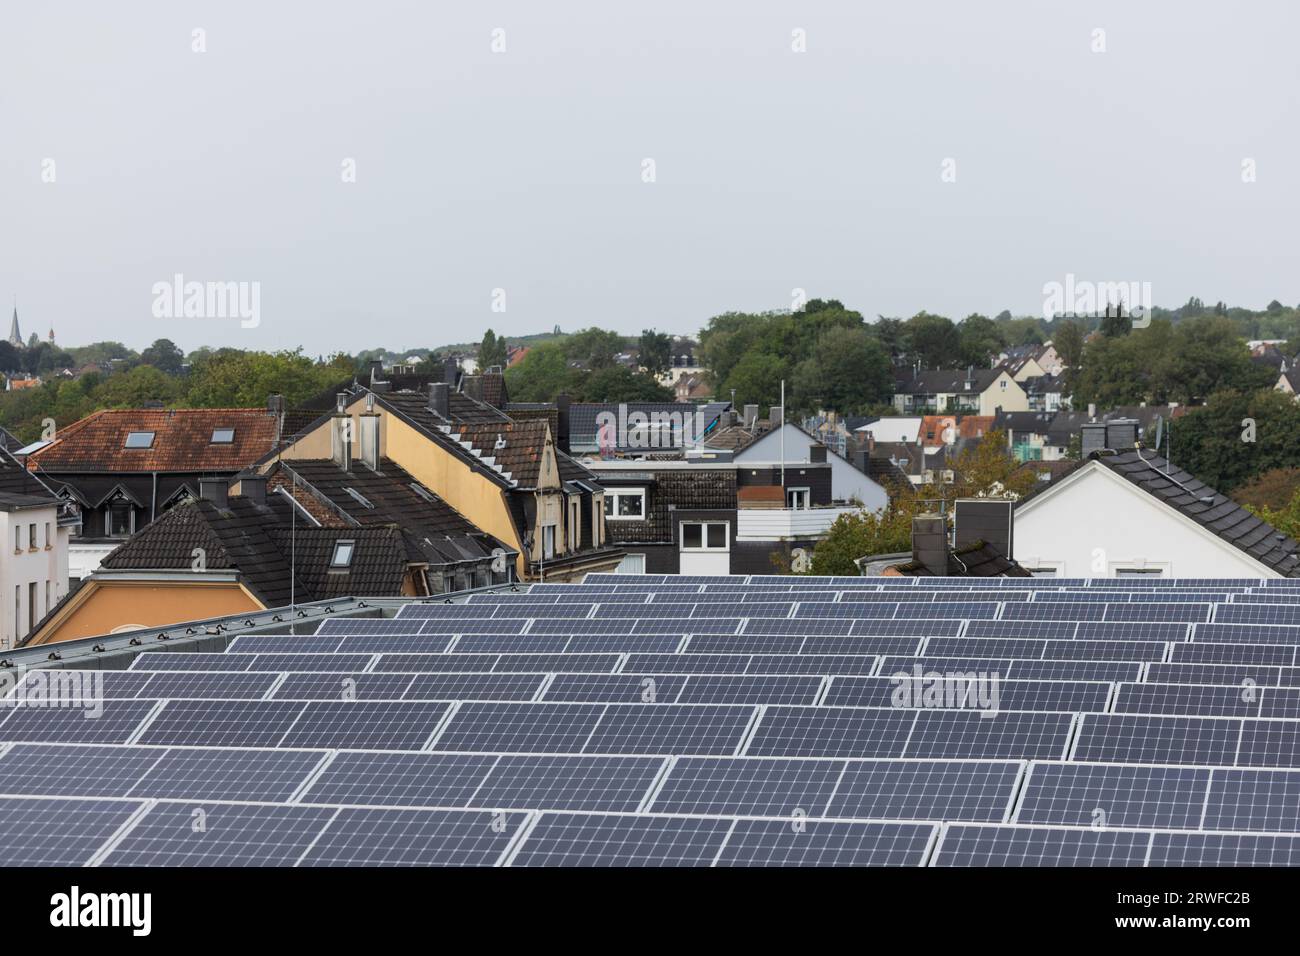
(113, 604)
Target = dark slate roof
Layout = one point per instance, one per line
(378, 565)
(182, 441)
(949, 381)
(582, 415)
(462, 409)
(1034, 423)
(486, 387)
(17, 480)
(1293, 379)
(974, 560)
(1220, 515)
(706, 489)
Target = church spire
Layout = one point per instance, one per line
(15, 335)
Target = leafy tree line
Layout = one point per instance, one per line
(585, 366)
(220, 378)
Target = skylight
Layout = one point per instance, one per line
(361, 499)
(139, 439)
(223, 436)
(343, 554)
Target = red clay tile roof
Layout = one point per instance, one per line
(523, 446)
(182, 440)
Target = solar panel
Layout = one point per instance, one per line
(388, 643)
(1195, 653)
(58, 832)
(271, 775)
(371, 837)
(441, 663)
(366, 725)
(811, 664)
(1224, 849)
(750, 689)
(73, 771)
(339, 686)
(926, 790)
(1113, 795)
(400, 779)
(1192, 699)
(579, 783)
(191, 660)
(1134, 738)
(103, 722)
(831, 732)
(670, 729)
(963, 733)
(472, 686)
(826, 843)
(520, 728)
(749, 786)
(615, 688)
(208, 685)
(1269, 743)
(1172, 673)
(1267, 800)
(604, 840)
(976, 845)
(219, 834)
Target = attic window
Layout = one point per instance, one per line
(222, 436)
(360, 498)
(139, 439)
(343, 554)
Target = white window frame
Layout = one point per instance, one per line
(704, 537)
(793, 496)
(612, 496)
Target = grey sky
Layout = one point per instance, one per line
(523, 170)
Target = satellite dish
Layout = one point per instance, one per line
(1160, 431)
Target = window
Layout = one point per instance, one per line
(18, 611)
(223, 436)
(18, 538)
(704, 535)
(139, 439)
(548, 541)
(31, 607)
(625, 504)
(49, 543)
(47, 597)
(119, 519)
(343, 554)
(631, 564)
(798, 498)
(575, 522)
(31, 536)
(1003, 384)
(1138, 572)
(1042, 572)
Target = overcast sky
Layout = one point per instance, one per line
(524, 170)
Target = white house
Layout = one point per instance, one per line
(33, 562)
(1133, 513)
(847, 482)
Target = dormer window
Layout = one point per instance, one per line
(139, 439)
(222, 436)
(343, 554)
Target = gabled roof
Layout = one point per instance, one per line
(1195, 500)
(182, 441)
(1024, 423)
(974, 560)
(950, 381)
(669, 492)
(462, 409)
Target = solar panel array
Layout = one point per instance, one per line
(691, 721)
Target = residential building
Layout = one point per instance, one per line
(35, 526)
(125, 467)
(792, 445)
(640, 427)
(978, 391)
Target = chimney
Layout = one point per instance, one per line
(751, 415)
(774, 414)
(562, 422)
(860, 459)
(369, 420)
(1122, 434)
(376, 370)
(341, 435)
(450, 371)
(1092, 439)
(275, 407)
(985, 519)
(215, 490)
(930, 543)
(440, 400)
(253, 487)
(817, 453)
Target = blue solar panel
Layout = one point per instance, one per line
(1195, 653)
(74, 771)
(520, 728)
(366, 725)
(670, 729)
(202, 684)
(1126, 738)
(751, 689)
(960, 733)
(926, 790)
(973, 845)
(106, 722)
(400, 779)
(831, 732)
(343, 687)
(811, 664)
(226, 723)
(474, 686)
(749, 786)
(1269, 743)
(615, 688)
(826, 843)
(1223, 674)
(372, 837)
(270, 775)
(1191, 699)
(58, 832)
(1113, 795)
(1245, 634)
(217, 834)
(1267, 800)
(587, 784)
(1224, 849)
(596, 840)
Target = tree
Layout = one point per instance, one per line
(1115, 323)
(656, 352)
(1274, 489)
(932, 340)
(593, 348)
(1067, 339)
(541, 375)
(164, 356)
(860, 534)
(1236, 436)
(981, 340)
(848, 372)
(756, 379)
(229, 378)
(492, 351)
(619, 384)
